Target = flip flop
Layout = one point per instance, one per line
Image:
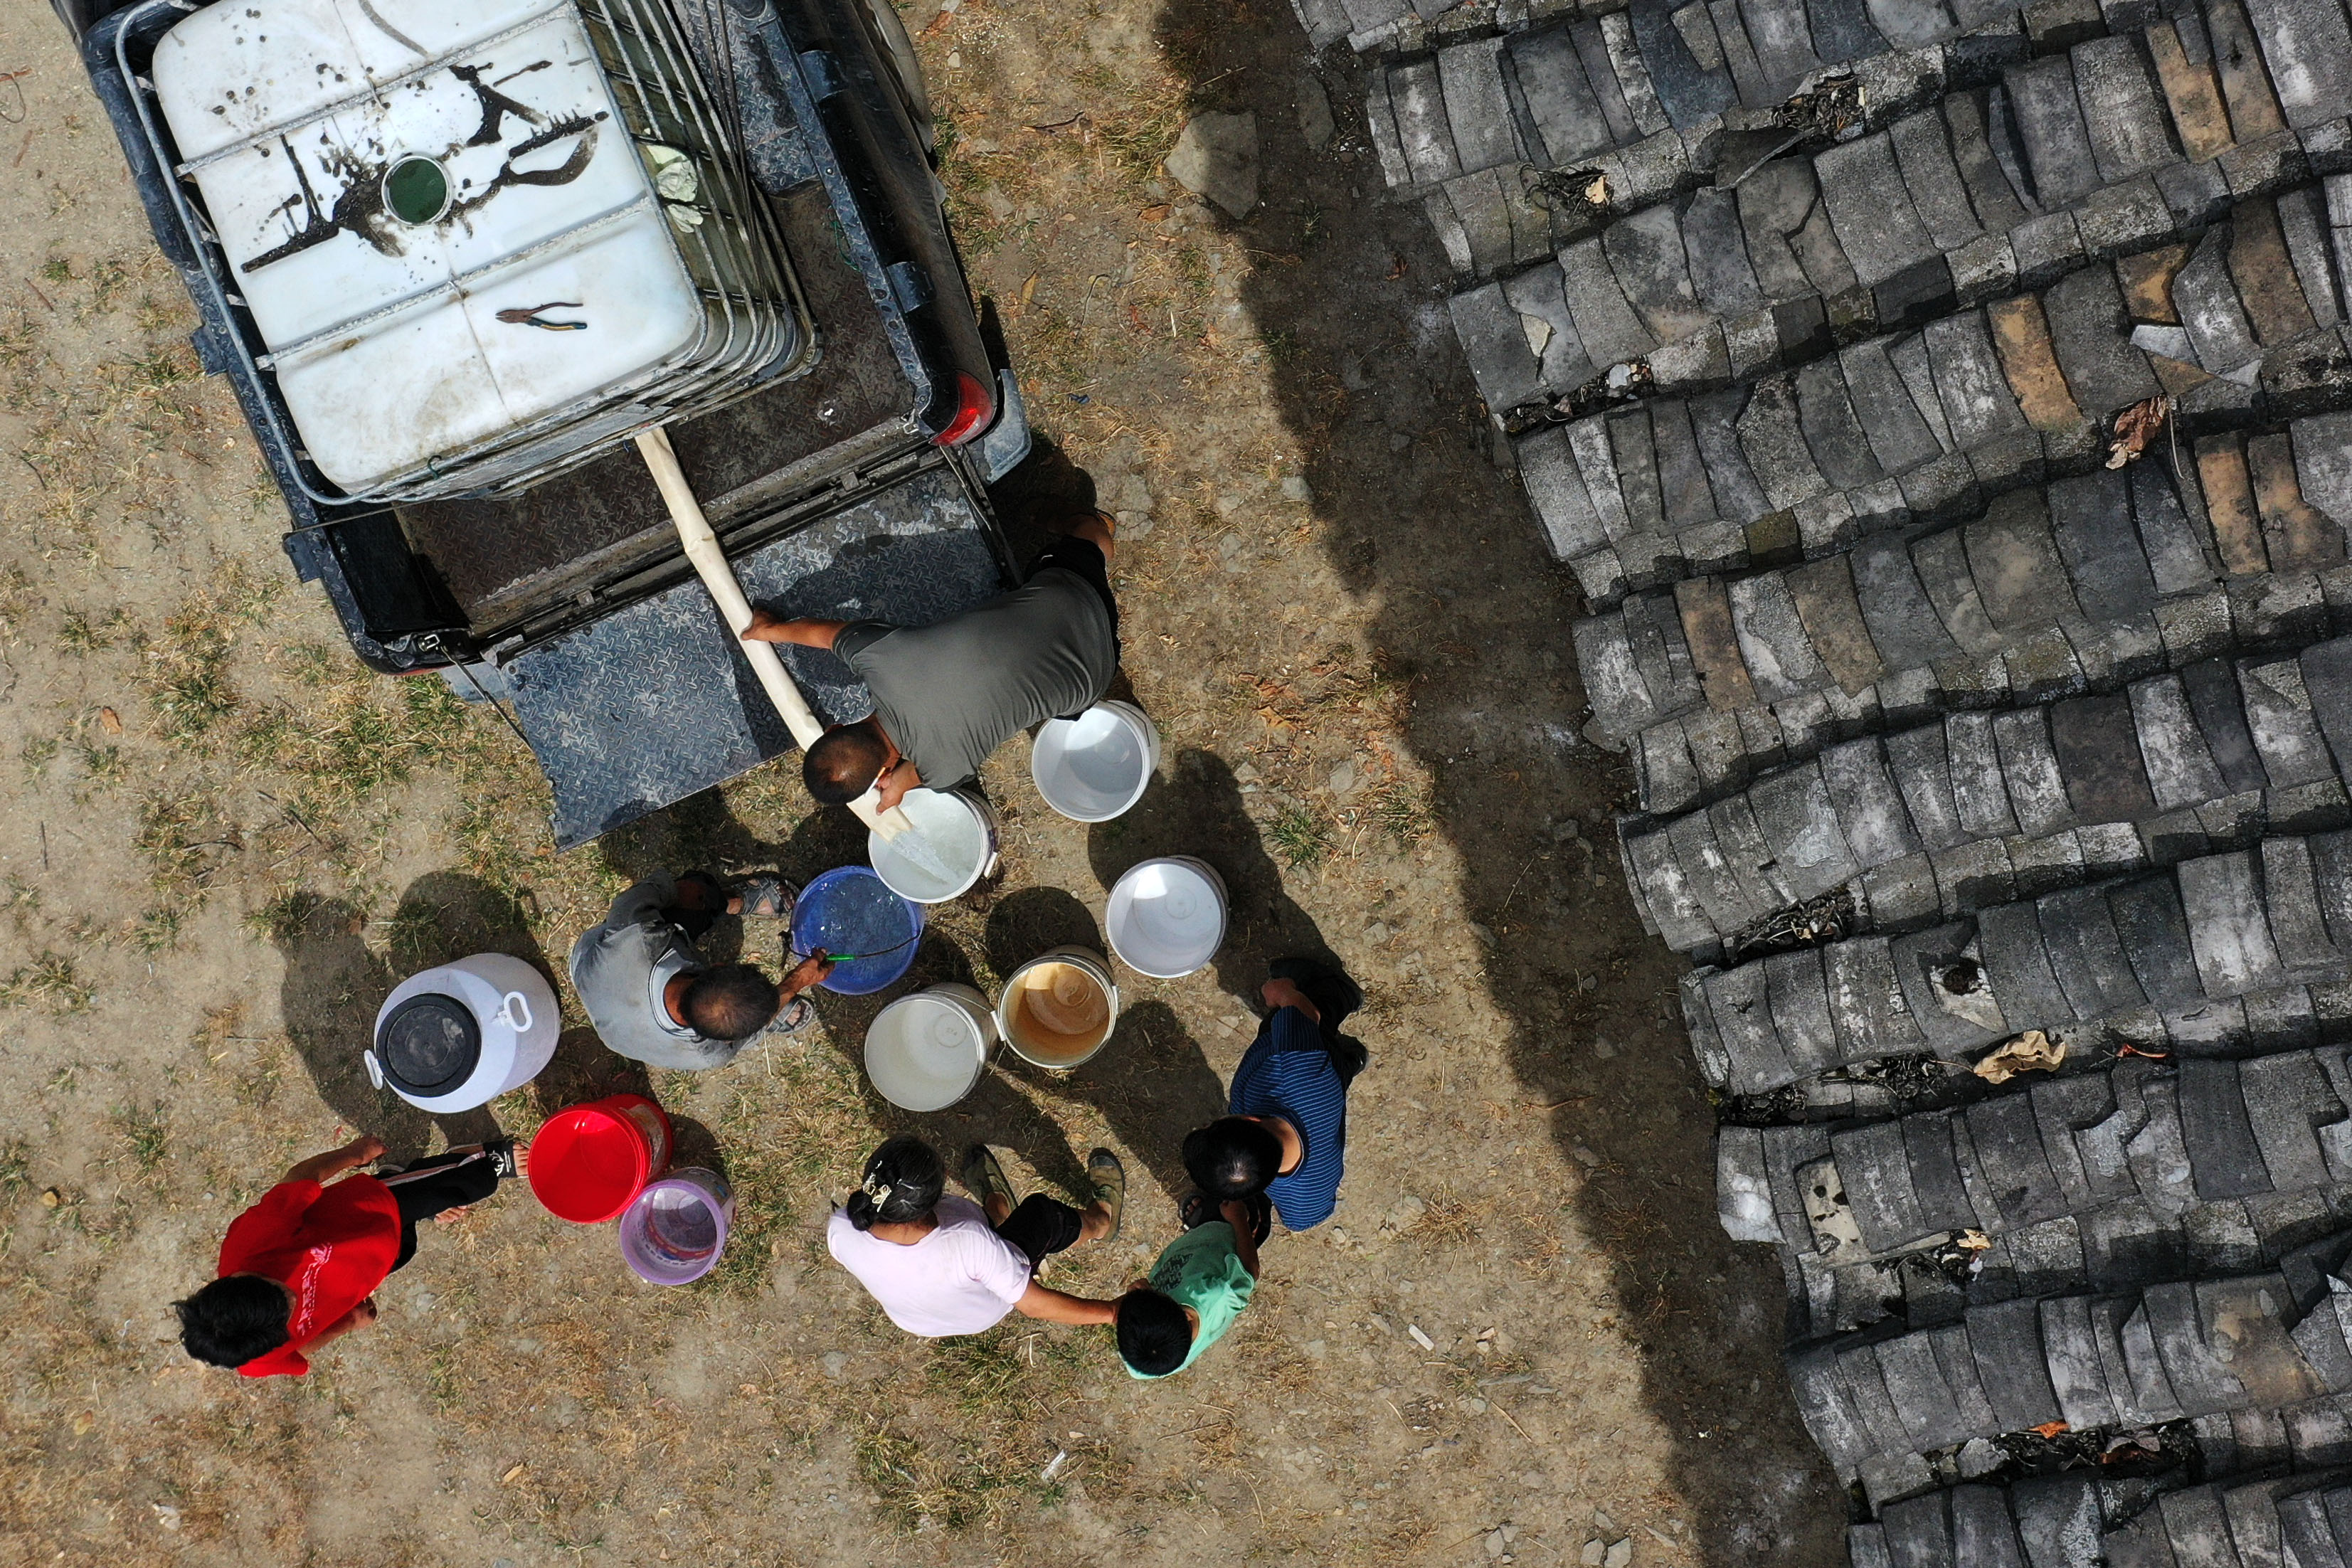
(983, 1178)
(767, 898)
(1108, 1178)
(503, 1160)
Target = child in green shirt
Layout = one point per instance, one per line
(1195, 1292)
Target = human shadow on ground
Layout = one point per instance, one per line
(1412, 504)
(335, 982)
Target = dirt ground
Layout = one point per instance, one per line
(223, 841)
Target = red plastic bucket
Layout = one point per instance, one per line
(590, 1161)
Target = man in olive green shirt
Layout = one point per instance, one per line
(1195, 1292)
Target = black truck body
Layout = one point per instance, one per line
(856, 488)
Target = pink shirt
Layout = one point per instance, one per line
(961, 1278)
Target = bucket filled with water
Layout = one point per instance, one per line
(460, 1035)
(676, 1229)
(852, 914)
(1057, 1009)
(952, 847)
(924, 1052)
(1095, 766)
(1167, 917)
(590, 1161)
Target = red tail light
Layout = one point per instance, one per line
(974, 407)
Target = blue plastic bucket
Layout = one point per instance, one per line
(853, 910)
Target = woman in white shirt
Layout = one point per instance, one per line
(941, 1265)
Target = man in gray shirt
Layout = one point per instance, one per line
(651, 996)
(948, 694)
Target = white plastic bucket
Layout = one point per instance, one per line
(1095, 766)
(515, 1022)
(1059, 1008)
(1166, 916)
(961, 827)
(925, 1051)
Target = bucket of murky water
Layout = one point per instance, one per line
(1057, 1009)
(675, 1230)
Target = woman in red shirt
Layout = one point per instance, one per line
(300, 1267)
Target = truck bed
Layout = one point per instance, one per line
(504, 560)
(654, 701)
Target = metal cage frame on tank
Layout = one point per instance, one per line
(663, 101)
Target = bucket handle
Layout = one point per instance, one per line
(375, 1068)
(515, 1002)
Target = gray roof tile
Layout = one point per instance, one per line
(2128, 129)
(1800, 1010)
(1774, 444)
(2099, 757)
(2180, 769)
(2309, 50)
(2037, 788)
(1977, 788)
(1645, 252)
(1877, 226)
(2286, 729)
(1551, 82)
(1713, 421)
(1470, 80)
(2014, 561)
(2092, 336)
(2085, 954)
(1601, 76)
(1772, 643)
(1419, 100)
(1743, 1020)
(2224, 1158)
(1540, 293)
(1605, 321)
(1831, 430)
(1974, 876)
(2020, 969)
(2075, 1369)
(2328, 677)
(1976, 399)
(1824, 594)
(2221, 896)
(2155, 934)
(1942, 563)
(2090, 515)
(1917, 758)
(2174, 553)
(2007, 1341)
(2057, 147)
(2220, 717)
(1548, 470)
(1632, 76)
(2011, 1175)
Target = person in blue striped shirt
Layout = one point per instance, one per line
(1287, 1133)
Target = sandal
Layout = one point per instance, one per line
(766, 897)
(1107, 1176)
(795, 1017)
(504, 1161)
(984, 1179)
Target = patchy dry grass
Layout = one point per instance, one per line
(50, 982)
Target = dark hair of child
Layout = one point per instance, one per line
(1154, 1335)
(232, 1321)
(1231, 1157)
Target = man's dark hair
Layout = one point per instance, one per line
(232, 1321)
(902, 1180)
(732, 1001)
(1154, 1335)
(1231, 1157)
(844, 762)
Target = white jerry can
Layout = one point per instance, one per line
(460, 1035)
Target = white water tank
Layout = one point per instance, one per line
(463, 1034)
(478, 238)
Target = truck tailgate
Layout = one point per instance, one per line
(656, 702)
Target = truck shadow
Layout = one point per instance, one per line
(1411, 505)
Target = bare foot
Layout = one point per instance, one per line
(451, 1217)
